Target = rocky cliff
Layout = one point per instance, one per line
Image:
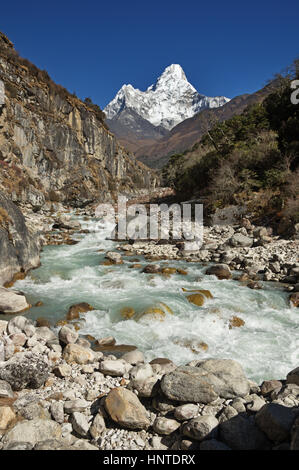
(53, 146)
(19, 249)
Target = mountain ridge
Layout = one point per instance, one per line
(166, 103)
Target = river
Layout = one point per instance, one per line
(267, 345)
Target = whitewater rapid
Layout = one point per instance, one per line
(267, 345)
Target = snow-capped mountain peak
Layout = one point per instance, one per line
(166, 103)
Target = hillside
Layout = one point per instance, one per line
(55, 147)
(188, 132)
(251, 159)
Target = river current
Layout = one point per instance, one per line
(266, 345)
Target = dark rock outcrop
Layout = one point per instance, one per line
(19, 250)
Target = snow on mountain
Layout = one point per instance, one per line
(171, 100)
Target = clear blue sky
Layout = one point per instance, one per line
(94, 47)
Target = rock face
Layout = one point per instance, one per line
(211, 379)
(125, 409)
(57, 146)
(19, 250)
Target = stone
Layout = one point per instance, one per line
(276, 421)
(34, 411)
(186, 412)
(235, 322)
(141, 372)
(80, 423)
(165, 426)
(293, 376)
(108, 341)
(294, 299)
(62, 370)
(125, 409)
(196, 299)
(186, 384)
(57, 411)
(18, 339)
(12, 301)
(269, 385)
(32, 432)
(98, 426)
(25, 370)
(151, 269)
(256, 404)
(78, 354)
(241, 433)
(146, 388)
(43, 333)
(114, 257)
(77, 405)
(203, 427)
(67, 335)
(238, 239)
(205, 382)
(133, 357)
(7, 416)
(21, 324)
(222, 271)
(5, 390)
(115, 368)
(75, 310)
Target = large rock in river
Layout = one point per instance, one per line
(210, 379)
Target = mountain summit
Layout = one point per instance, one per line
(169, 101)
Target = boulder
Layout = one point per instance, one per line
(125, 409)
(114, 257)
(276, 421)
(12, 301)
(78, 354)
(133, 357)
(115, 368)
(21, 324)
(165, 426)
(186, 412)
(80, 423)
(98, 426)
(205, 382)
(151, 269)
(293, 376)
(7, 416)
(68, 335)
(75, 310)
(25, 370)
(241, 433)
(240, 240)
(203, 427)
(32, 432)
(186, 384)
(222, 271)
